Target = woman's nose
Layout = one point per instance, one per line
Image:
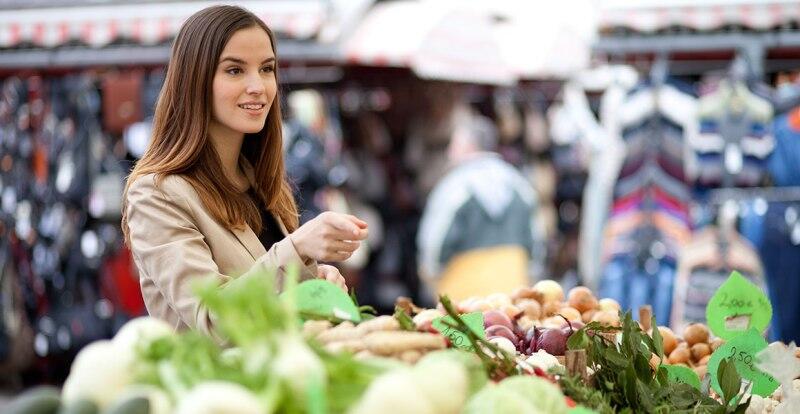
(255, 85)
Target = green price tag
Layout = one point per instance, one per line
(742, 351)
(475, 322)
(737, 306)
(322, 299)
(683, 375)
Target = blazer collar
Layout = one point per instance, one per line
(246, 235)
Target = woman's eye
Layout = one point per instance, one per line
(268, 69)
(234, 71)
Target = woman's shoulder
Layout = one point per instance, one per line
(171, 185)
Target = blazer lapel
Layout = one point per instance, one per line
(247, 236)
(250, 241)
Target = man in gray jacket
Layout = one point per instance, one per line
(482, 202)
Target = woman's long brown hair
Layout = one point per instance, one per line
(180, 144)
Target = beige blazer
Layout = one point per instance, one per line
(175, 241)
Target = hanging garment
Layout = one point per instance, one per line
(16, 333)
(600, 136)
(634, 285)
(734, 138)
(779, 248)
(648, 221)
(783, 162)
(120, 283)
(570, 157)
(704, 265)
(652, 185)
(122, 100)
(774, 229)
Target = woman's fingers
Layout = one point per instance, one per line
(325, 271)
(358, 222)
(337, 256)
(350, 227)
(342, 246)
(339, 281)
(331, 274)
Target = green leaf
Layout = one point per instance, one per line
(729, 380)
(578, 340)
(742, 408)
(682, 395)
(658, 341)
(630, 386)
(316, 402)
(643, 371)
(617, 359)
(662, 376)
(645, 396)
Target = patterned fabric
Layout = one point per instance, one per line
(734, 138)
(652, 187)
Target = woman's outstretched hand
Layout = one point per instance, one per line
(329, 237)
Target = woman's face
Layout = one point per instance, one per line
(244, 84)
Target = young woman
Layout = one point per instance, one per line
(210, 195)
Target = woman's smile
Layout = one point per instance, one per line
(253, 108)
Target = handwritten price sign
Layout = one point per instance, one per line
(737, 306)
(459, 339)
(742, 350)
(682, 375)
(324, 299)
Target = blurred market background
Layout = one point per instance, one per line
(658, 144)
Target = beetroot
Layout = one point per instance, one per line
(494, 317)
(500, 330)
(531, 340)
(575, 325)
(554, 341)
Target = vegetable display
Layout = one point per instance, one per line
(536, 350)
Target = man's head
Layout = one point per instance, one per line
(472, 134)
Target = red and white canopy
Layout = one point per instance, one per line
(702, 15)
(434, 39)
(544, 39)
(147, 24)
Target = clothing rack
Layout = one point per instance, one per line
(754, 45)
(768, 194)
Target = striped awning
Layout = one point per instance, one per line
(433, 40)
(700, 15)
(145, 24)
